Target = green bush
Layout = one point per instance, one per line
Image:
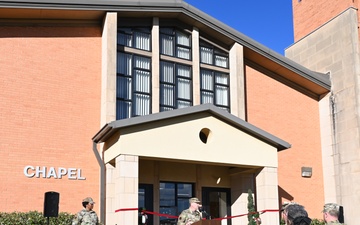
(34, 218)
(317, 222)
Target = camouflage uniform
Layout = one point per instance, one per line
(332, 209)
(85, 217)
(189, 216)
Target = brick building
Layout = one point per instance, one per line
(148, 103)
(327, 41)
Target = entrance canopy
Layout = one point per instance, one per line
(202, 133)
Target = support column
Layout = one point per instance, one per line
(328, 147)
(108, 94)
(196, 66)
(155, 68)
(237, 81)
(240, 184)
(108, 73)
(267, 196)
(126, 179)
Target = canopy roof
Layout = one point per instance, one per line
(111, 128)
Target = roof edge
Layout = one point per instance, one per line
(109, 129)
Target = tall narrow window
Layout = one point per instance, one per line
(133, 86)
(135, 38)
(214, 76)
(175, 43)
(215, 88)
(175, 86)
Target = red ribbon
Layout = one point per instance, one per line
(175, 217)
(159, 214)
(127, 209)
(245, 214)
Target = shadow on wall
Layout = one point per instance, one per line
(284, 195)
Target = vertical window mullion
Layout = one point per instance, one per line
(212, 85)
(133, 96)
(175, 91)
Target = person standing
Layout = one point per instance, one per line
(295, 214)
(87, 216)
(192, 214)
(331, 213)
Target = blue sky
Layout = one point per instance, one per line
(267, 22)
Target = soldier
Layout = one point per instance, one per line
(331, 214)
(192, 214)
(86, 216)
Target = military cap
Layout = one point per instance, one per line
(89, 200)
(330, 207)
(194, 200)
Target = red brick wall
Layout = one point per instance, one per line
(49, 111)
(293, 117)
(311, 14)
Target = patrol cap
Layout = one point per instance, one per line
(89, 200)
(330, 207)
(194, 200)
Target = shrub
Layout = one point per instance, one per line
(317, 222)
(34, 218)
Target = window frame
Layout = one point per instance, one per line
(175, 44)
(214, 85)
(177, 198)
(133, 108)
(175, 85)
(131, 32)
(215, 51)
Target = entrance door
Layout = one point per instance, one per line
(146, 201)
(216, 203)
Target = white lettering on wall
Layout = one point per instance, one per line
(72, 173)
(27, 173)
(40, 171)
(62, 172)
(52, 172)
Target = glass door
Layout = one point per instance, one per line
(216, 203)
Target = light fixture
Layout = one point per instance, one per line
(306, 171)
(218, 180)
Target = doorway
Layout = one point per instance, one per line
(146, 201)
(216, 203)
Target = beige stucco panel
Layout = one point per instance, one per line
(180, 140)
